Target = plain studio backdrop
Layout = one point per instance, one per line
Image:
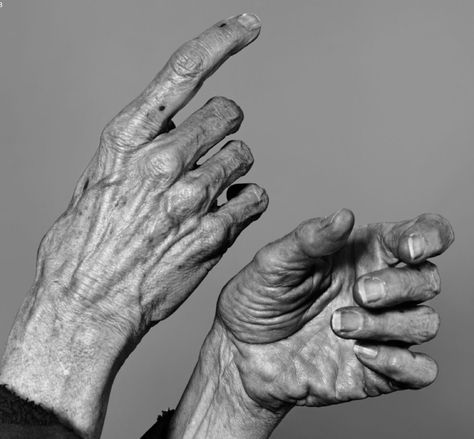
(361, 104)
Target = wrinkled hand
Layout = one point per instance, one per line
(143, 227)
(142, 230)
(324, 316)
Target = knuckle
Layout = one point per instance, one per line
(165, 166)
(432, 218)
(190, 60)
(300, 232)
(262, 260)
(199, 133)
(105, 135)
(215, 233)
(226, 109)
(185, 198)
(115, 137)
(111, 137)
(395, 365)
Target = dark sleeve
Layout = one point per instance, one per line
(160, 429)
(23, 419)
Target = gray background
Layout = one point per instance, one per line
(363, 104)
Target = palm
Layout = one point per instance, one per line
(277, 311)
(279, 319)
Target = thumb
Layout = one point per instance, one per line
(268, 300)
(296, 252)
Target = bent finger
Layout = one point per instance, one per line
(416, 240)
(196, 192)
(172, 154)
(407, 369)
(221, 227)
(233, 161)
(205, 128)
(414, 326)
(394, 286)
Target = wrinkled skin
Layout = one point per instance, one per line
(143, 227)
(279, 308)
(142, 230)
(301, 324)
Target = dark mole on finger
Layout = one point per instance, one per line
(161, 107)
(86, 185)
(223, 24)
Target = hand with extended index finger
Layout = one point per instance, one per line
(321, 316)
(142, 230)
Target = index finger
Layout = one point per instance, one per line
(416, 240)
(179, 80)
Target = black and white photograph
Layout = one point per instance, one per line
(236, 219)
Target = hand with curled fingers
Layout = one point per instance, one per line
(324, 315)
(141, 232)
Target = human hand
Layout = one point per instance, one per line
(143, 227)
(323, 316)
(142, 230)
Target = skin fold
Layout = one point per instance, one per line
(142, 230)
(322, 316)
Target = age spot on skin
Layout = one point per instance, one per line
(150, 243)
(223, 25)
(161, 108)
(86, 185)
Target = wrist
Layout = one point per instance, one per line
(215, 403)
(61, 360)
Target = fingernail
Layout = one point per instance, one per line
(347, 321)
(416, 245)
(249, 21)
(371, 289)
(365, 351)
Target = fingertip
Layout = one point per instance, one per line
(445, 228)
(429, 236)
(413, 247)
(265, 199)
(434, 372)
(251, 189)
(365, 352)
(261, 196)
(369, 291)
(359, 294)
(428, 372)
(341, 223)
(250, 21)
(318, 237)
(336, 321)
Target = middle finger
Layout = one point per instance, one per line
(395, 286)
(413, 326)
